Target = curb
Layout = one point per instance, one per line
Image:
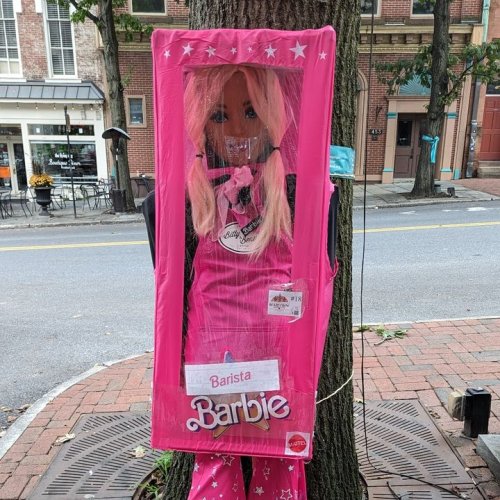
(406, 322)
(20, 425)
(73, 223)
(419, 203)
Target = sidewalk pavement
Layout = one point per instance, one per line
(377, 196)
(430, 361)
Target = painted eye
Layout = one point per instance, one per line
(219, 117)
(250, 113)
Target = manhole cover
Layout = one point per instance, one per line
(402, 438)
(99, 462)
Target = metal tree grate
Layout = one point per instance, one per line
(99, 463)
(402, 438)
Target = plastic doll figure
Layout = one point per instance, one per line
(236, 118)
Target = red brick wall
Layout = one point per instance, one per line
(141, 149)
(32, 42)
(377, 113)
(494, 26)
(141, 146)
(398, 10)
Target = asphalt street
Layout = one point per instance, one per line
(428, 262)
(68, 305)
(73, 297)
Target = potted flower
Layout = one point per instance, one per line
(42, 184)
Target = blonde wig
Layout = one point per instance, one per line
(203, 90)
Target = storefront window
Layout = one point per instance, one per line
(52, 157)
(423, 7)
(369, 6)
(38, 129)
(493, 88)
(148, 6)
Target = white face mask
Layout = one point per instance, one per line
(238, 148)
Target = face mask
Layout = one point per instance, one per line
(241, 147)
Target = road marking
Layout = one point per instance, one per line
(476, 209)
(430, 226)
(145, 242)
(74, 245)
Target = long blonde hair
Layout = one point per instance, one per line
(203, 90)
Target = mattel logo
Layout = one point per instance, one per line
(297, 444)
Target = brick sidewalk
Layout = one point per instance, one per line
(427, 364)
(430, 361)
(490, 186)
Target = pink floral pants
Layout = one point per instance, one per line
(217, 477)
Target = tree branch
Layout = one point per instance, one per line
(87, 12)
(459, 80)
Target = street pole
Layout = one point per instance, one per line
(69, 162)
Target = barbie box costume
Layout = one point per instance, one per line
(243, 280)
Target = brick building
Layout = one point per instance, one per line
(39, 80)
(46, 63)
(401, 26)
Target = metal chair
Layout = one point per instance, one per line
(24, 201)
(89, 193)
(57, 197)
(6, 204)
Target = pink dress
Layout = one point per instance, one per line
(228, 317)
(228, 297)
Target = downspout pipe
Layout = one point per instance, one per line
(475, 103)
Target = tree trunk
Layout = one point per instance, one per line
(107, 30)
(433, 124)
(333, 473)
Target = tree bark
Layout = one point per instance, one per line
(433, 123)
(333, 472)
(106, 27)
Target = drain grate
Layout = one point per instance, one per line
(99, 462)
(403, 438)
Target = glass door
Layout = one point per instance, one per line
(20, 166)
(5, 175)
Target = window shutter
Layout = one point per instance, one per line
(61, 40)
(9, 51)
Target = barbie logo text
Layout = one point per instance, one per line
(212, 415)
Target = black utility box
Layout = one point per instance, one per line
(118, 199)
(477, 407)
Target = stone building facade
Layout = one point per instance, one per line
(48, 63)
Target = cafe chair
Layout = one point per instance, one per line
(5, 204)
(57, 197)
(25, 202)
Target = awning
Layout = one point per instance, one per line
(48, 91)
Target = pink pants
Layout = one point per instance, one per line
(217, 477)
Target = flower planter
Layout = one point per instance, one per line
(43, 198)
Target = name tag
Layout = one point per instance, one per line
(228, 378)
(281, 303)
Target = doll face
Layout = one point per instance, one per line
(234, 130)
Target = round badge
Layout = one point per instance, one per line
(297, 443)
